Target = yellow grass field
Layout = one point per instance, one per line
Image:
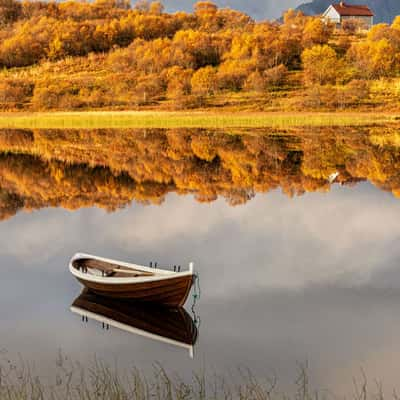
(156, 119)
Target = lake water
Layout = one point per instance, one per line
(295, 236)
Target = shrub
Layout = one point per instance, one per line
(275, 76)
(14, 93)
(56, 95)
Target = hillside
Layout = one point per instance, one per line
(385, 10)
(108, 55)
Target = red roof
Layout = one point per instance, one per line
(349, 10)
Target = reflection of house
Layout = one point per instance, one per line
(342, 12)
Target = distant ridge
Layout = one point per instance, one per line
(385, 10)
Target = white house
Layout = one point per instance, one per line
(341, 12)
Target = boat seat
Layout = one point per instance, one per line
(100, 272)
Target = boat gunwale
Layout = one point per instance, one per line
(159, 274)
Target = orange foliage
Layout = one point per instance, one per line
(78, 48)
(108, 169)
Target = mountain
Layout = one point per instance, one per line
(258, 9)
(385, 10)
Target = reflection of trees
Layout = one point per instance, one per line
(110, 168)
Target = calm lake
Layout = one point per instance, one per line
(295, 236)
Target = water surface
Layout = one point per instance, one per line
(294, 234)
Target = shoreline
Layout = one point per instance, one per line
(191, 119)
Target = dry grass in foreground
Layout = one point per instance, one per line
(72, 381)
(156, 119)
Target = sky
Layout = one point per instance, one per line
(264, 9)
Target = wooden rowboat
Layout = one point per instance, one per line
(170, 325)
(123, 280)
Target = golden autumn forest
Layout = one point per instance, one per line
(108, 54)
(111, 168)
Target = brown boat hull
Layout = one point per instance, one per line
(172, 292)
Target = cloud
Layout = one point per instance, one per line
(348, 236)
(313, 240)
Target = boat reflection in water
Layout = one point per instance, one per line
(169, 325)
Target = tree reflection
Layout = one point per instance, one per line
(111, 168)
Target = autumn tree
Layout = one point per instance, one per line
(179, 86)
(205, 9)
(29, 44)
(233, 74)
(10, 11)
(204, 81)
(156, 8)
(373, 59)
(316, 32)
(291, 37)
(321, 65)
(203, 48)
(233, 19)
(396, 23)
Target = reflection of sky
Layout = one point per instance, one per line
(282, 281)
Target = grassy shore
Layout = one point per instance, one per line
(203, 119)
(100, 381)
